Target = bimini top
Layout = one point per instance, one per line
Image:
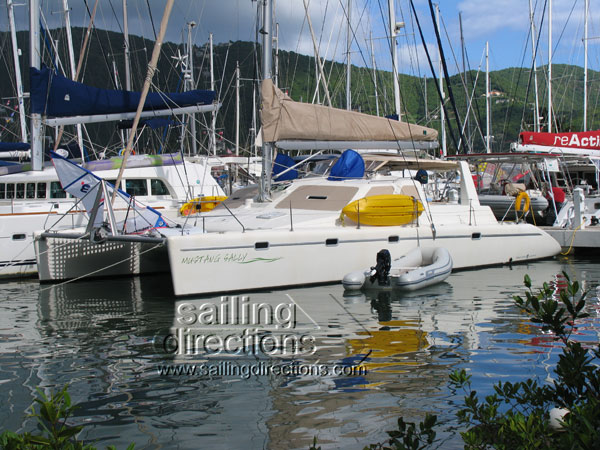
(56, 96)
(286, 120)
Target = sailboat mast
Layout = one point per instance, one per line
(35, 60)
(213, 121)
(443, 95)
(190, 83)
(148, 80)
(585, 62)
(394, 27)
(550, 66)
(19, 79)
(488, 115)
(536, 113)
(374, 76)
(349, 62)
(126, 47)
(73, 67)
(267, 147)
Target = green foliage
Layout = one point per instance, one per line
(52, 416)
(408, 436)
(518, 415)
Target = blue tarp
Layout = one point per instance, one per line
(349, 165)
(56, 96)
(282, 162)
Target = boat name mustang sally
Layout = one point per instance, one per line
(203, 259)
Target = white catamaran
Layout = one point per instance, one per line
(305, 231)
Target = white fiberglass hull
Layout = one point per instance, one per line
(235, 261)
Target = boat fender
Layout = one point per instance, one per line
(382, 267)
(354, 281)
(522, 196)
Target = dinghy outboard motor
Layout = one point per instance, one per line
(381, 271)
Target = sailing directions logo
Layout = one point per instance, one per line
(238, 326)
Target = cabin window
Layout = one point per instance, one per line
(18, 237)
(331, 242)
(393, 239)
(158, 187)
(30, 190)
(114, 182)
(2, 191)
(41, 190)
(56, 190)
(20, 190)
(10, 191)
(261, 245)
(136, 187)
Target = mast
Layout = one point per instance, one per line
(189, 83)
(536, 113)
(425, 99)
(394, 28)
(464, 65)
(374, 75)
(276, 64)
(237, 113)
(126, 47)
(37, 155)
(585, 62)
(213, 121)
(145, 89)
(19, 79)
(267, 147)
(441, 84)
(73, 67)
(488, 115)
(550, 66)
(348, 61)
(316, 50)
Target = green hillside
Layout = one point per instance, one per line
(512, 107)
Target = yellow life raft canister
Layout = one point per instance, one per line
(383, 210)
(201, 204)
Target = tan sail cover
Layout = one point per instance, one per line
(284, 119)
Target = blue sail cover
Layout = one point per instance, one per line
(349, 165)
(13, 146)
(283, 162)
(56, 96)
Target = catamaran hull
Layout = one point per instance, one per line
(210, 263)
(16, 236)
(65, 258)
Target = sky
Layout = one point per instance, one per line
(504, 24)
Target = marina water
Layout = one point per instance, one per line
(271, 369)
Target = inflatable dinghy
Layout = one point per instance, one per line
(419, 268)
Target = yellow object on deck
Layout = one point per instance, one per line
(383, 210)
(522, 197)
(201, 204)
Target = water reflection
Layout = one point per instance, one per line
(100, 336)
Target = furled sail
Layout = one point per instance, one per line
(286, 120)
(56, 96)
(83, 184)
